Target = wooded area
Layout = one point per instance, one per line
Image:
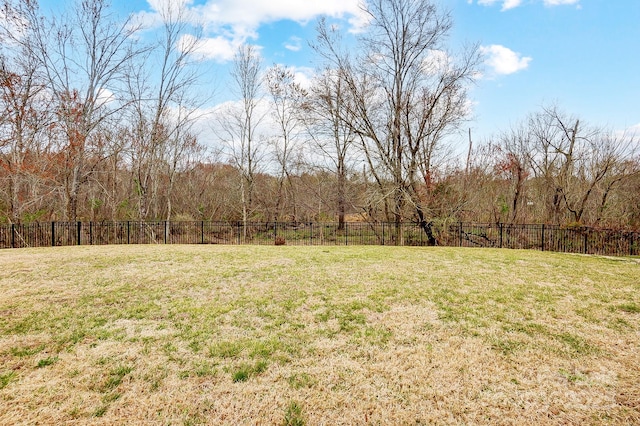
(96, 126)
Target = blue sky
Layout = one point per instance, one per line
(585, 57)
(582, 55)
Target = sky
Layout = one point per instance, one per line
(581, 55)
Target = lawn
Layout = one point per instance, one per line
(190, 335)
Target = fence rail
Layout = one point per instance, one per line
(538, 237)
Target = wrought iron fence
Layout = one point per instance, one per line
(538, 237)
(548, 237)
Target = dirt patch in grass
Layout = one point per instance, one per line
(317, 335)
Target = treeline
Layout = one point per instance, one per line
(95, 126)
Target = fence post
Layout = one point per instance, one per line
(13, 235)
(53, 234)
(542, 238)
(459, 234)
(382, 233)
(128, 233)
(310, 233)
(500, 226)
(346, 235)
(78, 234)
(90, 233)
(165, 232)
(585, 241)
(202, 232)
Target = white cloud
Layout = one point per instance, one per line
(303, 76)
(13, 23)
(359, 19)
(171, 6)
(560, 2)
(251, 13)
(215, 48)
(506, 4)
(630, 137)
(104, 96)
(236, 21)
(437, 61)
(633, 131)
(503, 60)
(294, 44)
(512, 4)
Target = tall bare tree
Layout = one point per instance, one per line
(570, 169)
(84, 55)
(239, 122)
(331, 135)
(24, 119)
(408, 93)
(512, 162)
(165, 108)
(288, 105)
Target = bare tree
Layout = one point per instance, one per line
(164, 111)
(512, 158)
(288, 105)
(23, 135)
(239, 122)
(408, 93)
(621, 208)
(576, 162)
(83, 55)
(114, 177)
(329, 131)
(617, 159)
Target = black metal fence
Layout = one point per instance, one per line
(546, 237)
(539, 237)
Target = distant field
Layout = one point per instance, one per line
(317, 335)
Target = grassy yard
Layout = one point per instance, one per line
(191, 335)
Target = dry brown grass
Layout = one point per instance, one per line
(317, 335)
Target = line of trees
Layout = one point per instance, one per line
(94, 125)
